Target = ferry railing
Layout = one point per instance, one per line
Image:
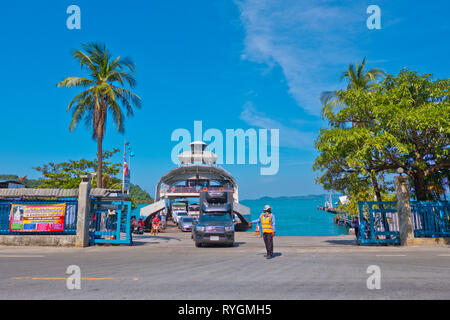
(70, 217)
(184, 189)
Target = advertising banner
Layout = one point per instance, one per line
(37, 218)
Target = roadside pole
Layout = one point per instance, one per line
(404, 211)
(83, 214)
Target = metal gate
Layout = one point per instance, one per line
(111, 222)
(378, 223)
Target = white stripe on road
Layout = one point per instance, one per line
(391, 255)
(443, 255)
(20, 256)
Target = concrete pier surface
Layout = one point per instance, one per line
(169, 266)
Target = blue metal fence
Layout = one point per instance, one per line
(70, 220)
(431, 219)
(378, 221)
(111, 222)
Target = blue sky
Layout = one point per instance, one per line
(231, 64)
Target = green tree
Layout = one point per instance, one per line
(104, 92)
(357, 79)
(405, 124)
(67, 175)
(139, 195)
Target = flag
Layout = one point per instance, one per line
(126, 175)
(125, 168)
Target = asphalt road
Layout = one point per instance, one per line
(170, 267)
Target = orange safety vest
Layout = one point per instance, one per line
(266, 224)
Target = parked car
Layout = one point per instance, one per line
(186, 223)
(180, 214)
(214, 228)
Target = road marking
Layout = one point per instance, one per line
(87, 279)
(20, 256)
(391, 255)
(443, 255)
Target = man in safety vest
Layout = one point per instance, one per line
(267, 220)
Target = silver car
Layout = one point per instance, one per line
(186, 224)
(180, 215)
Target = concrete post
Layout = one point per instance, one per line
(83, 214)
(405, 218)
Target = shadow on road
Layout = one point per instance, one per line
(275, 254)
(218, 245)
(343, 242)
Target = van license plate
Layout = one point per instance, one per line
(214, 238)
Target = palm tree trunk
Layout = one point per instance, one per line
(100, 134)
(99, 161)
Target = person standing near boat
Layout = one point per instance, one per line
(267, 220)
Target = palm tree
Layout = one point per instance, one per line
(103, 93)
(357, 78)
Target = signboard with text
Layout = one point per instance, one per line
(37, 218)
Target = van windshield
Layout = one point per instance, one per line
(215, 218)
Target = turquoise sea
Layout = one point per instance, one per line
(295, 216)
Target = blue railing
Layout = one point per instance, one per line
(70, 219)
(378, 223)
(111, 222)
(431, 219)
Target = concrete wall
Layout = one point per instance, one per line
(38, 240)
(81, 239)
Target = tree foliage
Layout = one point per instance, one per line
(104, 92)
(139, 196)
(67, 175)
(401, 122)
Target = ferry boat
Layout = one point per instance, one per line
(197, 172)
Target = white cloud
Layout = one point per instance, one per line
(312, 41)
(289, 137)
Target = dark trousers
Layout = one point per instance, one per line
(268, 241)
